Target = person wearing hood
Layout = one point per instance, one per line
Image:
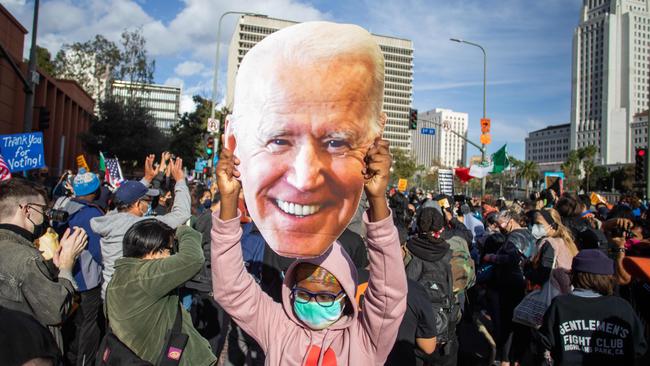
(430, 266)
(133, 203)
(318, 321)
(87, 270)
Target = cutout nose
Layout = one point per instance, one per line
(307, 168)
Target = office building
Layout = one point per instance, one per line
(611, 62)
(398, 57)
(549, 145)
(442, 148)
(162, 100)
(640, 130)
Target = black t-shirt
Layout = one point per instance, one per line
(592, 331)
(418, 322)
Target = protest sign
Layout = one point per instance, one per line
(23, 151)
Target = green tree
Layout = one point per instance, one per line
(529, 171)
(91, 64)
(404, 165)
(44, 60)
(134, 63)
(189, 135)
(125, 129)
(587, 155)
(571, 169)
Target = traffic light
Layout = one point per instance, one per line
(413, 119)
(640, 164)
(485, 125)
(43, 118)
(206, 171)
(209, 147)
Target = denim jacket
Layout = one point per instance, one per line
(29, 284)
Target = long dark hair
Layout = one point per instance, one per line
(147, 236)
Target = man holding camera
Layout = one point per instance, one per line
(30, 283)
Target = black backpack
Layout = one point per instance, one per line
(437, 280)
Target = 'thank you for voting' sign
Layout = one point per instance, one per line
(23, 151)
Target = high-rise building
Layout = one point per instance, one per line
(162, 100)
(611, 50)
(398, 57)
(640, 130)
(444, 148)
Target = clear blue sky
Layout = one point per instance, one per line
(528, 44)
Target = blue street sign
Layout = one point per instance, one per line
(23, 151)
(428, 131)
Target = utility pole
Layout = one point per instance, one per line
(484, 98)
(32, 76)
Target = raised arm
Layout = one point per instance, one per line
(180, 211)
(234, 288)
(385, 298)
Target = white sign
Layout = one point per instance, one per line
(446, 181)
(213, 125)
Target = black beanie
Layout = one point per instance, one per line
(429, 219)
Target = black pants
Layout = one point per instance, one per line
(87, 325)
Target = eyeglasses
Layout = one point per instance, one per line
(324, 299)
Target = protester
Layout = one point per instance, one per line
(590, 326)
(42, 288)
(87, 271)
(430, 266)
(133, 201)
(555, 251)
(142, 300)
(509, 261)
(318, 319)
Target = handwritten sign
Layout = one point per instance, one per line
(23, 151)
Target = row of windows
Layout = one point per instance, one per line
(389, 57)
(391, 93)
(256, 29)
(548, 149)
(397, 50)
(403, 87)
(549, 142)
(546, 157)
(393, 72)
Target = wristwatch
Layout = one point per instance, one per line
(617, 250)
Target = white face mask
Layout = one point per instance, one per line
(539, 231)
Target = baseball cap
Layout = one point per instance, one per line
(131, 191)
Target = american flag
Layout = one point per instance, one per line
(113, 175)
(4, 170)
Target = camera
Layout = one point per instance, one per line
(56, 215)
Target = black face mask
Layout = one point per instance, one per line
(40, 229)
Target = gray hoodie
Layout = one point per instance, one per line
(114, 225)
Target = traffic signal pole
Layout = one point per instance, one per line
(31, 69)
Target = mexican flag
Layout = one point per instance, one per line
(102, 162)
(498, 164)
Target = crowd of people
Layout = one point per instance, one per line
(297, 251)
(550, 279)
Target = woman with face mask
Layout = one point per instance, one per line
(554, 245)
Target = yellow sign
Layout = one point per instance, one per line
(81, 163)
(401, 184)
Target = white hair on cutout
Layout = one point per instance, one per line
(305, 43)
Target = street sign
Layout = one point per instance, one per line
(213, 125)
(446, 125)
(401, 184)
(23, 151)
(428, 131)
(446, 181)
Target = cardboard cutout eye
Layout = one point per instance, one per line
(305, 101)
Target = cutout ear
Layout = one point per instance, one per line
(230, 142)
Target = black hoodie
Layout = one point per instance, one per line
(427, 249)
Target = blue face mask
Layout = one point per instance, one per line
(316, 316)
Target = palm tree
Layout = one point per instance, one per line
(529, 171)
(571, 167)
(587, 155)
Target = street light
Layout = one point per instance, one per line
(216, 64)
(484, 96)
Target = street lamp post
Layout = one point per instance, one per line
(484, 96)
(216, 65)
